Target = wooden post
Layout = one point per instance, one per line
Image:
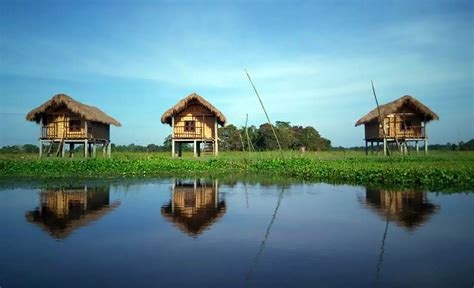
(86, 145)
(372, 147)
(40, 136)
(417, 147)
(103, 149)
(63, 149)
(199, 148)
(40, 148)
(172, 127)
(180, 149)
(426, 146)
(109, 149)
(366, 147)
(384, 136)
(216, 138)
(173, 154)
(94, 149)
(195, 149)
(71, 149)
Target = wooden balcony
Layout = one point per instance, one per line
(412, 132)
(60, 130)
(199, 132)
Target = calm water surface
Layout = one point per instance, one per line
(209, 233)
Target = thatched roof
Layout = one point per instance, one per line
(394, 106)
(184, 103)
(62, 100)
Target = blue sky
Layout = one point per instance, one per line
(312, 61)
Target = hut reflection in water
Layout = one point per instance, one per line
(63, 210)
(408, 209)
(194, 205)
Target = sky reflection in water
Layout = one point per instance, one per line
(198, 232)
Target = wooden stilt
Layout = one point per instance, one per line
(366, 148)
(63, 148)
(104, 146)
(426, 146)
(94, 149)
(194, 148)
(40, 148)
(109, 149)
(385, 147)
(216, 138)
(71, 150)
(417, 147)
(173, 154)
(86, 145)
(180, 149)
(86, 153)
(41, 141)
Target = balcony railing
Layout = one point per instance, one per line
(197, 133)
(410, 132)
(53, 131)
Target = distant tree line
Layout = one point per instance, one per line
(27, 148)
(461, 146)
(262, 138)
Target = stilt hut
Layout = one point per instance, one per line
(64, 120)
(194, 120)
(194, 206)
(401, 121)
(61, 211)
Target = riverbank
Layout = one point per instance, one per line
(440, 170)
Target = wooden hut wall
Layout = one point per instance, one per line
(97, 130)
(60, 126)
(406, 124)
(204, 121)
(372, 131)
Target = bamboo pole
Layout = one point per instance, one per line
(247, 132)
(264, 110)
(385, 152)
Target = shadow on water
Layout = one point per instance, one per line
(194, 205)
(408, 209)
(60, 211)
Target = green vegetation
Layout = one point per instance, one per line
(438, 171)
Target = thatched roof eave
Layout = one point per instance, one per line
(183, 104)
(87, 112)
(392, 107)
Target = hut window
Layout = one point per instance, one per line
(189, 126)
(406, 125)
(74, 125)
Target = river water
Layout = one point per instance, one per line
(217, 233)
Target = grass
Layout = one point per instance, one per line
(437, 171)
